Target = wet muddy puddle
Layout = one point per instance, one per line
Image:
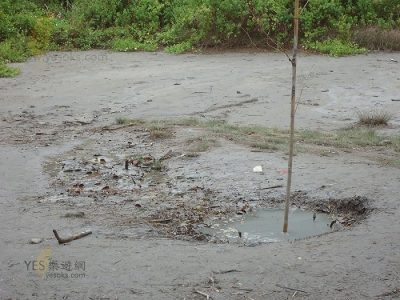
(266, 226)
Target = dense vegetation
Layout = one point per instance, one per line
(335, 27)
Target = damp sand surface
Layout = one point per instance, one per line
(145, 221)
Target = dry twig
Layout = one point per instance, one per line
(204, 294)
(288, 288)
(72, 237)
(226, 271)
(272, 187)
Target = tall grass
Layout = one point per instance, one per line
(374, 117)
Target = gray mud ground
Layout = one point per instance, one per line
(58, 123)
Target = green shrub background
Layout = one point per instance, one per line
(335, 27)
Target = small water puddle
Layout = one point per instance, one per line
(266, 226)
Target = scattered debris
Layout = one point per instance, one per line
(203, 294)
(395, 292)
(309, 102)
(168, 155)
(333, 222)
(168, 202)
(335, 226)
(80, 214)
(161, 221)
(346, 211)
(292, 289)
(126, 164)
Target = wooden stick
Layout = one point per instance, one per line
(226, 271)
(272, 187)
(244, 289)
(288, 288)
(72, 237)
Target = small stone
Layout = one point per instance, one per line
(257, 169)
(35, 241)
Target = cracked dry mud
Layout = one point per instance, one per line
(63, 167)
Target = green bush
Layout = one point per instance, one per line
(272, 19)
(6, 71)
(179, 48)
(330, 26)
(142, 17)
(96, 14)
(180, 25)
(338, 48)
(128, 44)
(227, 22)
(40, 35)
(319, 19)
(62, 36)
(385, 13)
(14, 49)
(17, 17)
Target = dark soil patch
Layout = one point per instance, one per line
(127, 172)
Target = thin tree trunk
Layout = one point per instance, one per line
(292, 113)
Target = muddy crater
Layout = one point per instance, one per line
(132, 184)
